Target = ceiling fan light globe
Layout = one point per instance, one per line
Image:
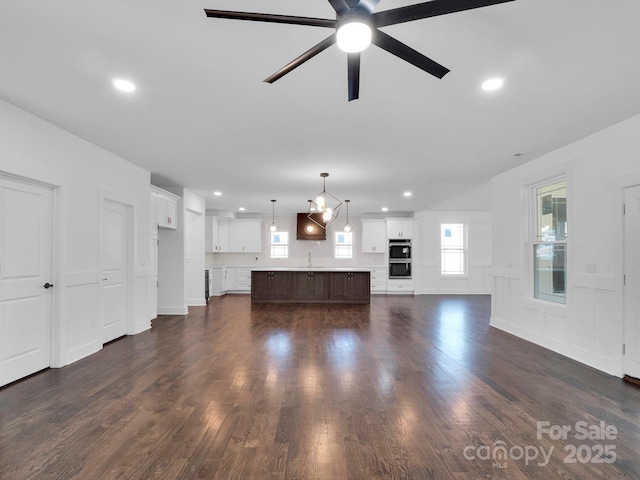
(354, 36)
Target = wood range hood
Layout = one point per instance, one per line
(309, 230)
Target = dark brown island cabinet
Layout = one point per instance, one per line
(299, 286)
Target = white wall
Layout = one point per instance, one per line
(171, 255)
(474, 200)
(82, 175)
(181, 259)
(590, 327)
(194, 212)
(426, 264)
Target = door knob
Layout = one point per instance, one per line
(48, 285)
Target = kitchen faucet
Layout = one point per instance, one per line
(309, 259)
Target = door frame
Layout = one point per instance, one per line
(55, 334)
(625, 319)
(126, 200)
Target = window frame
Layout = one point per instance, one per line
(464, 250)
(536, 241)
(337, 245)
(273, 245)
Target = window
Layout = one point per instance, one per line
(279, 244)
(453, 258)
(343, 245)
(550, 242)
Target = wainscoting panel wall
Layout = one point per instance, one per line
(81, 314)
(585, 329)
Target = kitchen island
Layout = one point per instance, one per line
(311, 285)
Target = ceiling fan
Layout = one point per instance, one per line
(355, 19)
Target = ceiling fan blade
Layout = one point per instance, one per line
(309, 54)
(340, 6)
(408, 54)
(353, 74)
(267, 17)
(433, 8)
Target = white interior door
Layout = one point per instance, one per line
(631, 358)
(25, 278)
(114, 260)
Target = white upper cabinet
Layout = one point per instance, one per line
(223, 235)
(153, 222)
(245, 236)
(211, 235)
(166, 209)
(374, 238)
(400, 228)
(235, 236)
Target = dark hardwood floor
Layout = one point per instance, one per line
(405, 388)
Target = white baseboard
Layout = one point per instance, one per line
(173, 310)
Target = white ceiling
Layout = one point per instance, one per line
(202, 118)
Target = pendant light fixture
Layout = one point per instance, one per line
(347, 226)
(273, 227)
(309, 228)
(326, 204)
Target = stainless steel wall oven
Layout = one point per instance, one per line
(399, 259)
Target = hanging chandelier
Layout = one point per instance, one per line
(326, 204)
(273, 227)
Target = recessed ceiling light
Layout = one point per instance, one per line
(124, 85)
(492, 84)
(407, 194)
(217, 194)
(242, 209)
(384, 209)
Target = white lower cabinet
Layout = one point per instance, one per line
(243, 279)
(235, 279)
(228, 279)
(215, 281)
(379, 280)
(399, 286)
